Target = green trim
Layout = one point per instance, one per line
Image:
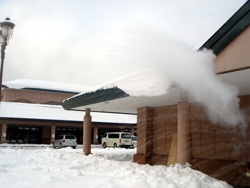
(51, 90)
(98, 96)
(230, 30)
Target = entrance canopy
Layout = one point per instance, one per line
(117, 101)
(114, 99)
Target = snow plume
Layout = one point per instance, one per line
(151, 61)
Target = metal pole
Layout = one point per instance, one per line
(3, 47)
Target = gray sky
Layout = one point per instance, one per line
(70, 41)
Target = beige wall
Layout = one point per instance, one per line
(236, 55)
(32, 96)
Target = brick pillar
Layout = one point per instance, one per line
(87, 132)
(95, 135)
(144, 135)
(3, 133)
(53, 133)
(132, 131)
(184, 132)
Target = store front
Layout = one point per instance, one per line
(24, 135)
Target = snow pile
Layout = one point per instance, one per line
(70, 168)
(115, 154)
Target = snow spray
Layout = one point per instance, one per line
(151, 61)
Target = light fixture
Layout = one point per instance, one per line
(6, 33)
(7, 28)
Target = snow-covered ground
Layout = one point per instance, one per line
(41, 166)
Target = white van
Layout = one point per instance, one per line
(117, 139)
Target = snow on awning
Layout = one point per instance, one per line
(115, 100)
(45, 85)
(55, 112)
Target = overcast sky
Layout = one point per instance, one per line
(69, 40)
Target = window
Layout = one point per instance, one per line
(104, 136)
(69, 137)
(113, 135)
(59, 137)
(126, 135)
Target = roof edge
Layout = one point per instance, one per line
(101, 95)
(229, 30)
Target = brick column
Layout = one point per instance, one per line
(87, 132)
(184, 131)
(53, 133)
(144, 135)
(132, 131)
(95, 135)
(3, 133)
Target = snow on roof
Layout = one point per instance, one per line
(45, 85)
(56, 112)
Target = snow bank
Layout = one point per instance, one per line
(70, 168)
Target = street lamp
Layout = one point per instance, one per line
(6, 31)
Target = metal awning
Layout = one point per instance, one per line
(115, 100)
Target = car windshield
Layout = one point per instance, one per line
(126, 135)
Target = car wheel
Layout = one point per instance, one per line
(132, 146)
(115, 145)
(74, 147)
(104, 145)
(54, 146)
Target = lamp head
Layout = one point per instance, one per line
(7, 28)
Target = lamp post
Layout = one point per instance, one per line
(6, 32)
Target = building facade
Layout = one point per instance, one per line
(171, 129)
(31, 114)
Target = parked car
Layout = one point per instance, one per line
(117, 139)
(65, 141)
(134, 142)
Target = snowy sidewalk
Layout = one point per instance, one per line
(109, 168)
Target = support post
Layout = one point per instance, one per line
(132, 131)
(144, 136)
(3, 133)
(95, 135)
(53, 133)
(184, 131)
(87, 132)
(3, 47)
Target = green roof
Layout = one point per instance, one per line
(231, 29)
(93, 97)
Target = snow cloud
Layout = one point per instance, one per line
(152, 61)
(64, 41)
